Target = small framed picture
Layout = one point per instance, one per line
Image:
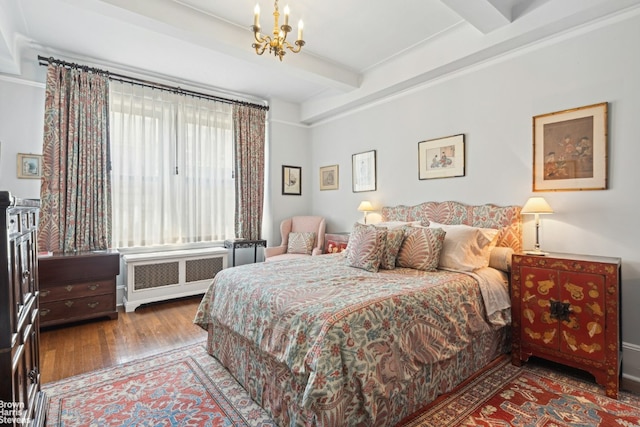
(29, 166)
(441, 157)
(363, 167)
(329, 177)
(292, 180)
(570, 149)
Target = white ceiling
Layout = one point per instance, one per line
(356, 51)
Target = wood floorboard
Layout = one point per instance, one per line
(153, 328)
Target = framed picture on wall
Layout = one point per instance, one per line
(363, 166)
(441, 157)
(570, 149)
(329, 177)
(29, 166)
(292, 180)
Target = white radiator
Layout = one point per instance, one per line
(158, 276)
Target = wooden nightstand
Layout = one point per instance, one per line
(566, 308)
(78, 286)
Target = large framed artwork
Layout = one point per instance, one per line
(363, 167)
(292, 180)
(570, 149)
(441, 157)
(329, 177)
(29, 166)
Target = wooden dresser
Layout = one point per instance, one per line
(78, 286)
(19, 333)
(566, 308)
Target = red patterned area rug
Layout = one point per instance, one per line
(533, 395)
(184, 387)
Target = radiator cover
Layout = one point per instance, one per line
(158, 276)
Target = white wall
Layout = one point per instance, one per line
(21, 130)
(493, 106)
(288, 144)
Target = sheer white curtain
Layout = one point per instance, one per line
(172, 160)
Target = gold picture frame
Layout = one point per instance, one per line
(570, 149)
(329, 177)
(441, 157)
(29, 166)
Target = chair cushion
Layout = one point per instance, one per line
(301, 242)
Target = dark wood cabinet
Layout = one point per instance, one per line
(19, 329)
(566, 308)
(78, 286)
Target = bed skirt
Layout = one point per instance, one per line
(272, 385)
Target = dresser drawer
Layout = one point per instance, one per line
(77, 308)
(76, 290)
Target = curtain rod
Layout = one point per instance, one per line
(146, 83)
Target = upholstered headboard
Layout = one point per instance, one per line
(505, 218)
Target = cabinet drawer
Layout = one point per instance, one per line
(76, 290)
(76, 308)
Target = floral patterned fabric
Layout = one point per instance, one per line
(249, 132)
(365, 247)
(75, 193)
(316, 342)
(505, 218)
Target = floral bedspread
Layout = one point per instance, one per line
(339, 328)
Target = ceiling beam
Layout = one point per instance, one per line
(485, 15)
(175, 19)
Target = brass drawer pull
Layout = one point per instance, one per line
(69, 303)
(93, 304)
(44, 312)
(69, 288)
(45, 293)
(94, 286)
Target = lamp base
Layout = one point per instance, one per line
(536, 252)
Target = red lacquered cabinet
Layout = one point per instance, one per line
(566, 308)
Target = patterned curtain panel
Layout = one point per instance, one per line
(75, 193)
(249, 126)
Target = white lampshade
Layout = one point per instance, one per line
(536, 205)
(365, 206)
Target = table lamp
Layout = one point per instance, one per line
(366, 207)
(536, 206)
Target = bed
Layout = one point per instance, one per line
(319, 342)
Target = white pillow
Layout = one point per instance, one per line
(397, 224)
(466, 248)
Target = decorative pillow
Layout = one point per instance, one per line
(466, 248)
(399, 224)
(365, 247)
(395, 237)
(500, 258)
(421, 248)
(334, 247)
(301, 242)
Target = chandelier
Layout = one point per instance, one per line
(278, 42)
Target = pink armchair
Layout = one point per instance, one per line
(315, 224)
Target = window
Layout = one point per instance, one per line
(172, 166)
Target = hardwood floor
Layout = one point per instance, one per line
(153, 328)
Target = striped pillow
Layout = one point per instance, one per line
(301, 242)
(421, 248)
